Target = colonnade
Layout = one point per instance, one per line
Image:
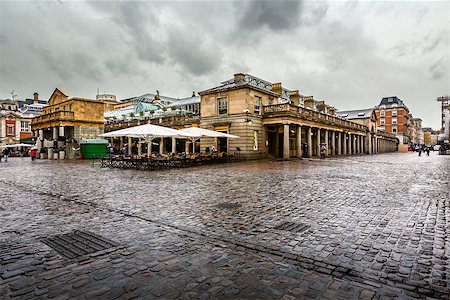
(309, 140)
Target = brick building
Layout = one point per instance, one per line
(393, 117)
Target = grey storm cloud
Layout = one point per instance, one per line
(3, 39)
(195, 55)
(276, 15)
(319, 47)
(439, 68)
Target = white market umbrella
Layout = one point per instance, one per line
(148, 132)
(16, 145)
(202, 132)
(198, 133)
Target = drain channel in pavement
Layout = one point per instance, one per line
(78, 243)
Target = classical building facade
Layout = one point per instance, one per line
(15, 126)
(273, 121)
(65, 121)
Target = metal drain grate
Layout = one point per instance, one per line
(78, 243)
(229, 205)
(293, 227)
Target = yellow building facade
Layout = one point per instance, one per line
(65, 121)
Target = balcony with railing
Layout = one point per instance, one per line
(54, 116)
(286, 109)
(168, 121)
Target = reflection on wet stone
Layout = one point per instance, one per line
(299, 229)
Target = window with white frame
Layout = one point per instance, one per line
(257, 105)
(394, 105)
(394, 129)
(10, 130)
(222, 106)
(394, 112)
(382, 113)
(24, 126)
(394, 121)
(382, 122)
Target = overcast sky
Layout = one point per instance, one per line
(350, 54)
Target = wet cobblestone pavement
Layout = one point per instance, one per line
(367, 227)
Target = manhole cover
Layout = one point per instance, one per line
(78, 243)
(293, 227)
(229, 205)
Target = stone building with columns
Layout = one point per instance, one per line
(273, 121)
(65, 121)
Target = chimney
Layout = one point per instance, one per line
(239, 77)
(331, 110)
(321, 106)
(294, 96)
(276, 87)
(36, 97)
(193, 94)
(309, 102)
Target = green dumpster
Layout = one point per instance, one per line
(93, 148)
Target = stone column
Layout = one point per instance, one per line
(344, 137)
(61, 130)
(286, 141)
(139, 147)
(299, 141)
(327, 142)
(349, 144)
(309, 141)
(186, 147)
(355, 149)
(318, 142)
(55, 133)
(333, 143)
(339, 144)
(129, 145)
(174, 145)
(161, 146)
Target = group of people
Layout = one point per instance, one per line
(425, 149)
(4, 155)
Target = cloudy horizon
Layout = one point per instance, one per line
(350, 54)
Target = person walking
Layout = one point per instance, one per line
(420, 151)
(6, 152)
(427, 150)
(33, 154)
(323, 149)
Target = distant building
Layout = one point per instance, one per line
(393, 117)
(109, 100)
(32, 106)
(430, 136)
(366, 117)
(15, 126)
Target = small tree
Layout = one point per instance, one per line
(152, 112)
(131, 114)
(164, 108)
(173, 108)
(141, 113)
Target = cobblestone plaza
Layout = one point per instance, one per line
(368, 227)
